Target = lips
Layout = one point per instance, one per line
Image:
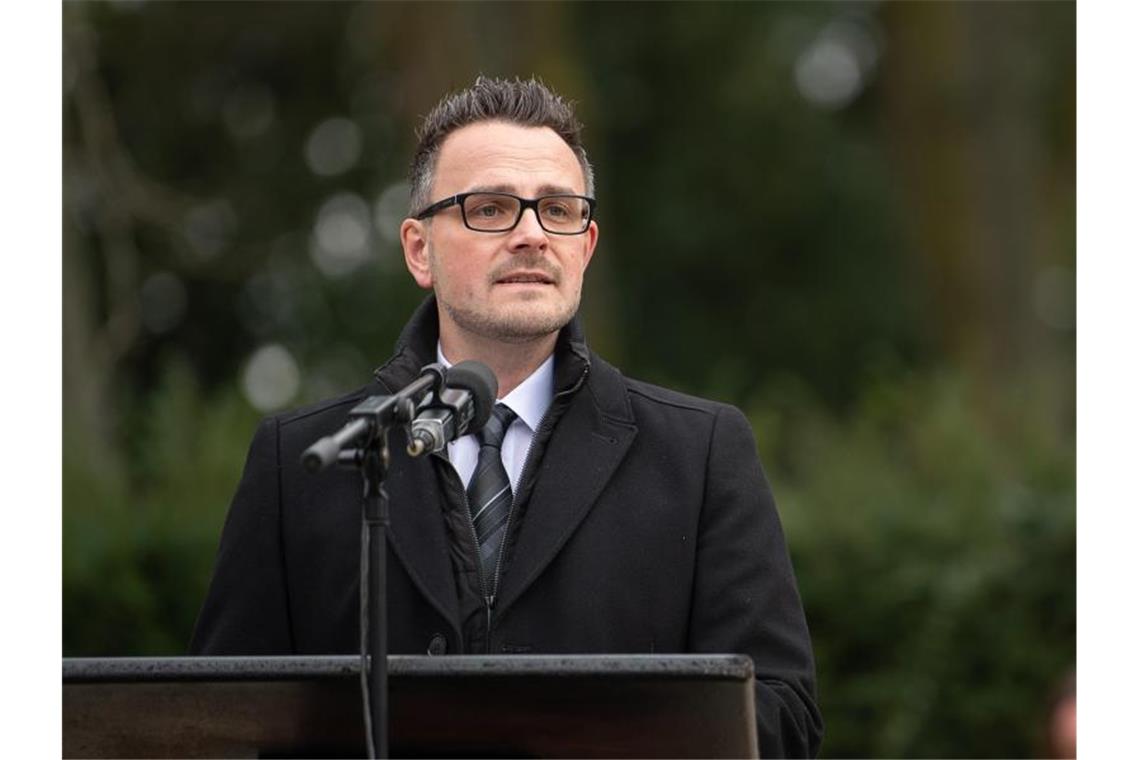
(517, 278)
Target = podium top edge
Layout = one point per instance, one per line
(103, 669)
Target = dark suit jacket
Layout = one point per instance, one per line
(650, 528)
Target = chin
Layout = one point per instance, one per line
(532, 319)
(517, 322)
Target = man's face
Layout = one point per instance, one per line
(511, 286)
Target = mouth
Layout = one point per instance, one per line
(525, 278)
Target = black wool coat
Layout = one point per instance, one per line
(647, 526)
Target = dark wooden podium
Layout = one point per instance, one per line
(454, 706)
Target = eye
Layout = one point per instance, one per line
(557, 209)
(490, 207)
(487, 210)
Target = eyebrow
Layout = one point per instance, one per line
(513, 190)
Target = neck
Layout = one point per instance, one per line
(511, 362)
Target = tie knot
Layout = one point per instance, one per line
(495, 430)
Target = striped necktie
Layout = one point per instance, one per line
(489, 490)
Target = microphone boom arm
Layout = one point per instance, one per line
(374, 414)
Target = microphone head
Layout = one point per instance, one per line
(477, 379)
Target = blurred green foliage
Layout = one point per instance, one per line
(139, 550)
(936, 559)
(854, 220)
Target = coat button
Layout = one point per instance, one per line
(438, 645)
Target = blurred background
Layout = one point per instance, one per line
(856, 221)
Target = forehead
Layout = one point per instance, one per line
(497, 154)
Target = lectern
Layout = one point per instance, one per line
(452, 706)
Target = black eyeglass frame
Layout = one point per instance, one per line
(524, 204)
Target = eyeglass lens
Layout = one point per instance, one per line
(497, 212)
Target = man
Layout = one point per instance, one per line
(594, 514)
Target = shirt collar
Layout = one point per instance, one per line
(531, 398)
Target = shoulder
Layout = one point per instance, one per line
(655, 396)
(677, 432)
(317, 417)
(646, 403)
(334, 406)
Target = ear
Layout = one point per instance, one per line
(591, 236)
(414, 239)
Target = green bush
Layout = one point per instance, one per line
(138, 546)
(933, 532)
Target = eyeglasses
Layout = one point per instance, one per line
(501, 212)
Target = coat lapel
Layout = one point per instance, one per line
(589, 442)
(417, 533)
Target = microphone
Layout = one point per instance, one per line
(463, 407)
(371, 414)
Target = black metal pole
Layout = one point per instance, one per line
(368, 429)
(376, 517)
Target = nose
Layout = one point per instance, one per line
(528, 233)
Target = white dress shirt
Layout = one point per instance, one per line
(529, 400)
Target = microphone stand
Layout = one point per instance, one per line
(372, 459)
(368, 432)
(375, 513)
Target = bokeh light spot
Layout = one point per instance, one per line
(271, 378)
(333, 147)
(341, 240)
(837, 65)
(209, 227)
(827, 74)
(391, 210)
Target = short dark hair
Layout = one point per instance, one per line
(528, 103)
